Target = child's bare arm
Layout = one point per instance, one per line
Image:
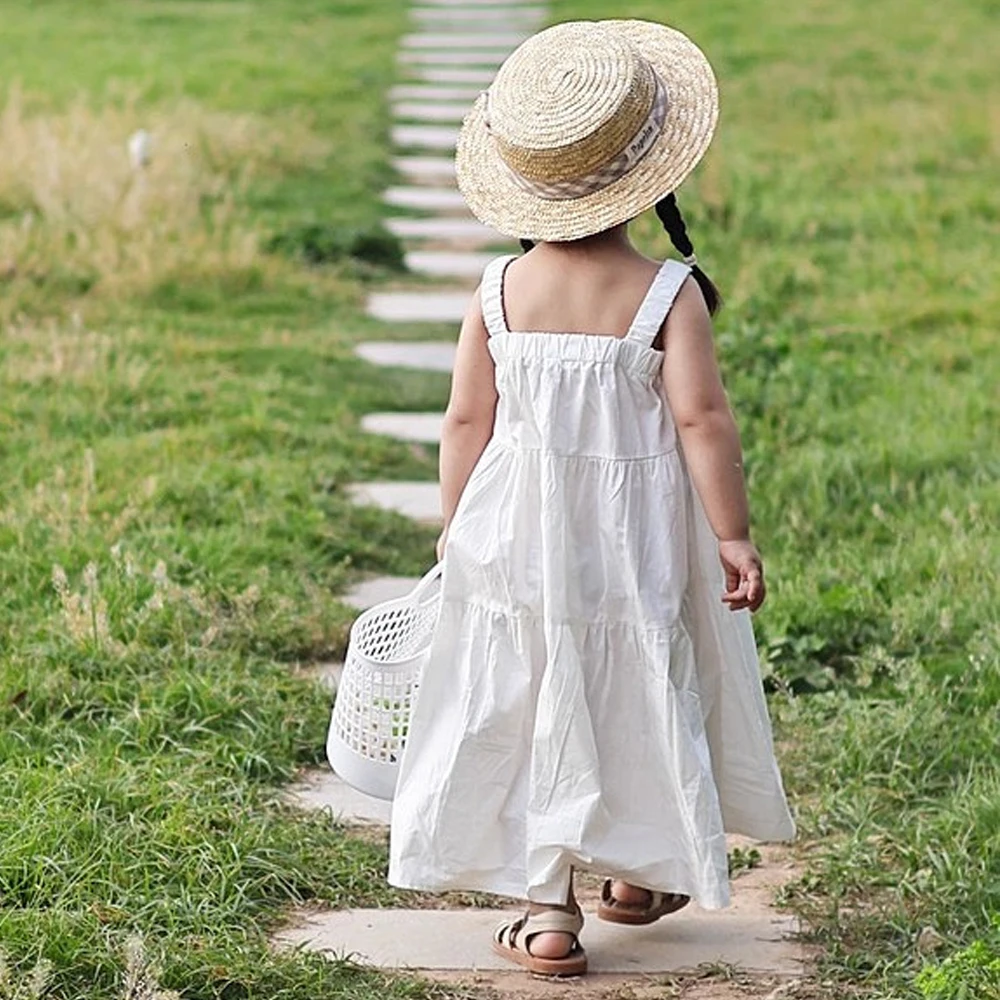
(468, 421)
(711, 442)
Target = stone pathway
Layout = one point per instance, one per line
(451, 56)
(749, 935)
(447, 60)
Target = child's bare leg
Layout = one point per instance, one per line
(553, 944)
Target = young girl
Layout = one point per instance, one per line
(592, 698)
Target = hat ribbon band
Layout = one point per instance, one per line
(635, 149)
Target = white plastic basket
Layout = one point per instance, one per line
(385, 654)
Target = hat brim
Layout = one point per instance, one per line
(497, 200)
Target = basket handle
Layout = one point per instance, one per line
(427, 581)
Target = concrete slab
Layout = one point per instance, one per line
(418, 307)
(464, 231)
(442, 264)
(426, 169)
(509, 4)
(423, 355)
(323, 790)
(529, 17)
(426, 198)
(429, 92)
(377, 589)
(466, 40)
(424, 136)
(420, 501)
(454, 74)
(415, 111)
(754, 938)
(329, 674)
(326, 674)
(422, 427)
(447, 57)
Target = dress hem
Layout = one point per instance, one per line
(518, 891)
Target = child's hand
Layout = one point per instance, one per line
(744, 575)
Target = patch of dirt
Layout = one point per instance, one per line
(777, 866)
(712, 985)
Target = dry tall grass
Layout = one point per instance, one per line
(77, 217)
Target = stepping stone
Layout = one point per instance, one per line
(464, 40)
(326, 674)
(425, 92)
(430, 199)
(422, 427)
(329, 674)
(425, 136)
(526, 16)
(449, 74)
(414, 111)
(420, 501)
(442, 264)
(419, 307)
(374, 591)
(428, 169)
(466, 57)
(323, 790)
(450, 230)
(507, 4)
(752, 937)
(422, 355)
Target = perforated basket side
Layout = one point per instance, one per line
(394, 631)
(371, 716)
(372, 710)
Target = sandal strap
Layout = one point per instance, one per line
(506, 933)
(657, 899)
(517, 934)
(553, 920)
(610, 899)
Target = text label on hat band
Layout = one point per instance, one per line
(637, 147)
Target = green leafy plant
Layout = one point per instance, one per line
(970, 974)
(743, 860)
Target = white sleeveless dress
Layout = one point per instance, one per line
(589, 700)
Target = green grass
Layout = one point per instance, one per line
(848, 210)
(175, 435)
(178, 418)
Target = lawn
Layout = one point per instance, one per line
(178, 418)
(850, 212)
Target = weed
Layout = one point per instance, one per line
(970, 974)
(323, 244)
(743, 860)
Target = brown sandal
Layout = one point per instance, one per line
(512, 940)
(660, 904)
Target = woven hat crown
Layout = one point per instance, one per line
(587, 125)
(568, 101)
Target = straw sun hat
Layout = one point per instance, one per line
(586, 125)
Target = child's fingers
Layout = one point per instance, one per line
(748, 592)
(736, 592)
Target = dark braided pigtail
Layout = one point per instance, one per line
(673, 223)
(527, 245)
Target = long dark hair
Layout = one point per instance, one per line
(673, 222)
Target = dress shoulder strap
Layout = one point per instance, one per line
(657, 302)
(491, 295)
